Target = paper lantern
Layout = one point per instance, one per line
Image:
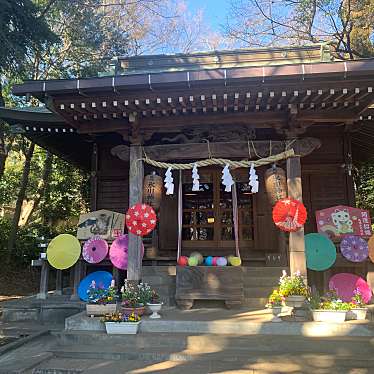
(235, 261)
(209, 261)
(214, 261)
(199, 257)
(63, 251)
(193, 261)
(141, 219)
(354, 248)
(152, 190)
(275, 184)
(289, 215)
(95, 250)
(221, 261)
(320, 252)
(183, 261)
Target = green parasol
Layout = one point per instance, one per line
(320, 252)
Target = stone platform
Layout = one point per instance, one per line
(220, 321)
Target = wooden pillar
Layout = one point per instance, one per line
(44, 277)
(296, 239)
(134, 264)
(93, 180)
(77, 279)
(58, 290)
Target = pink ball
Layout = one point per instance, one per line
(214, 262)
(182, 261)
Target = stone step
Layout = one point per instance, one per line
(212, 355)
(250, 281)
(257, 292)
(208, 343)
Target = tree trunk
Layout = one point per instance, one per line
(3, 151)
(47, 170)
(20, 198)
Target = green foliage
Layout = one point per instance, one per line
(292, 285)
(364, 181)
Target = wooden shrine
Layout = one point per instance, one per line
(236, 105)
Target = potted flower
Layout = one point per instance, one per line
(154, 304)
(101, 300)
(118, 323)
(358, 307)
(293, 289)
(329, 309)
(275, 302)
(134, 297)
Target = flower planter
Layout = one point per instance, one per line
(100, 309)
(276, 310)
(154, 308)
(331, 316)
(295, 301)
(357, 314)
(128, 310)
(123, 328)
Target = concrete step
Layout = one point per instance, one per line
(255, 302)
(118, 352)
(260, 292)
(263, 271)
(208, 343)
(254, 281)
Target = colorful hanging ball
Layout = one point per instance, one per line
(289, 214)
(193, 261)
(183, 261)
(235, 261)
(141, 219)
(214, 261)
(221, 261)
(208, 261)
(199, 257)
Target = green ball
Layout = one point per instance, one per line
(235, 261)
(193, 261)
(199, 257)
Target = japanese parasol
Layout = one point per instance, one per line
(95, 250)
(320, 252)
(141, 219)
(118, 252)
(345, 285)
(102, 279)
(354, 248)
(371, 248)
(289, 214)
(63, 251)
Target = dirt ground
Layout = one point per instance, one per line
(15, 283)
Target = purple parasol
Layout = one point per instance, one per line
(95, 250)
(118, 252)
(354, 248)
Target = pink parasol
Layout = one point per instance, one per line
(345, 285)
(354, 248)
(95, 250)
(118, 252)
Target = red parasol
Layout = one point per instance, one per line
(289, 214)
(141, 219)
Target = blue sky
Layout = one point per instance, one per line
(215, 11)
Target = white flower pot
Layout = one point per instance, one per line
(123, 328)
(154, 308)
(332, 316)
(357, 313)
(100, 309)
(295, 301)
